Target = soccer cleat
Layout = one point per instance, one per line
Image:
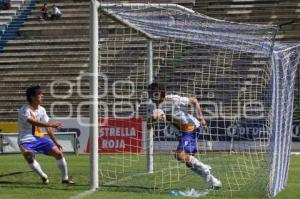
(68, 181)
(45, 181)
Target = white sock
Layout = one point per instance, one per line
(198, 165)
(62, 165)
(37, 168)
(195, 162)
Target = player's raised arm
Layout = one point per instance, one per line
(193, 101)
(45, 124)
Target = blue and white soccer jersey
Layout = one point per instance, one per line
(178, 108)
(31, 137)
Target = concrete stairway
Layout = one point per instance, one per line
(11, 29)
(257, 11)
(7, 16)
(261, 12)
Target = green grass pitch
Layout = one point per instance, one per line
(18, 181)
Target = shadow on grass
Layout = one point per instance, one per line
(14, 173)
(27, 185)
(36, 185)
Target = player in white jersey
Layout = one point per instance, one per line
(174, 109)
(31, 118)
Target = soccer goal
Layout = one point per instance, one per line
(243, 80)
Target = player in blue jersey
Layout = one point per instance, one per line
(31, 118)
(174, 109)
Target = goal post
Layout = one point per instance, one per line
(93, 111)
(149, 139)
(243, 80)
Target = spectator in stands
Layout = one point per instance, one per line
(44, 12)
(5, 4)
(56, 13)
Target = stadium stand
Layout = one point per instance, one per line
(257, 11)
(48, 52)
(285, 14)
(53, 52)
(11, 20)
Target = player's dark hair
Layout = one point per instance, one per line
(32, 91)
(157, 87)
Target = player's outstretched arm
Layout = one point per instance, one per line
(45, 124)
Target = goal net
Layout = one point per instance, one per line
(242, 79)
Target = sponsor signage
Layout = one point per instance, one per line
(120, 135)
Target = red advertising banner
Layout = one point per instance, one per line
(120, 135)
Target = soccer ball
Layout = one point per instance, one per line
(159, 114)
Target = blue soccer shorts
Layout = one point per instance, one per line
(188, 142)
(41, 145)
